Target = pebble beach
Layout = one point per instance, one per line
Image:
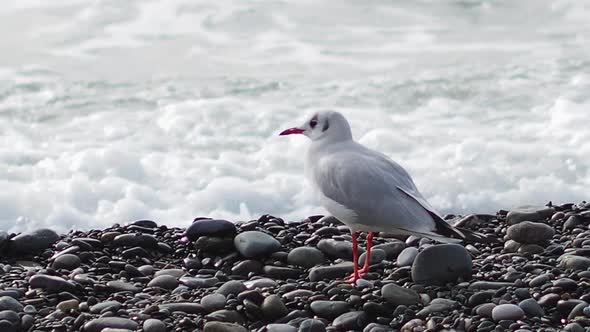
(279, 275)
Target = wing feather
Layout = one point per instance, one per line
(379, 191)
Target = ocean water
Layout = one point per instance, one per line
(118, 110)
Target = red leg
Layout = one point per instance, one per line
(365, 268)
(355, 258)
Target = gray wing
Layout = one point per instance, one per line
(379, 191)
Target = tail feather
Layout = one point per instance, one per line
(446, 230)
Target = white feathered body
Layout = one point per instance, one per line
(366, 190)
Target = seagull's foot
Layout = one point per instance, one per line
(352, 279)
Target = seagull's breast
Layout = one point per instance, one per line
(341, 212)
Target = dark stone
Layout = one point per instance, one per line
(51, 283)
(228, 316)
(210, 227)
(397, 295)
(32, 242)
(306, 257)
(330, 272)
(121, 286)
(355, 320)
(530, 232)
(100, 307)
(231, 287)
(329, 309)
(312, 325)
(9, 303)
(246, 267)
(337, 249)
(273, 307)
(531, 308)
(442, 263)
(392, 249)
(186, 307)
(99, 324)
(223, 327)
(529, 213)
(279, 272)
(154, 325)
(164, 281)
(255, 244)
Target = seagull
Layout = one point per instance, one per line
(368, 191)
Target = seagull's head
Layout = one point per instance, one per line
(324, 125)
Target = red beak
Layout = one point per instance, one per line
(291, 131)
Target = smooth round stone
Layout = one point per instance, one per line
(228, 316)
(210, 227)
(337, 249)
(246, 267)
(407, 256)
(9, 303)
(51, 283)
(176, 273)
(231, 287)
(146, 270)
(66, 262)
(121, 286)
(154, 325)
(144, 223)
(566, 284)
(255, 244)
(355, 320)
(193, 283)
(377, 256)
(213, 302)
(10, 316)
(223, 327)
(312, 325)
(69, 305)
(112, 306)
(507, 312)
(99, 324)
(530, 232)
(573, 262)
(549, 300)
(485, 310)
(397, 295)
(511, 246)
(529, 213)
(164, 281)
(574, 327)
(186, 307)
(273, 307)
(26, 322)
(540, 280)
(442, 263)
(480, 298)
(330, 272)
(531, 249)
(136, 240)
(280, 328)
(531, 308)
(33, 241)
(435, 306)
(329, 309)
(306, 257)
(279, 272)
(260, 283)
(391, 249)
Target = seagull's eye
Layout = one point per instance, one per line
(313, 123)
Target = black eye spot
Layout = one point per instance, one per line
(313, 123)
